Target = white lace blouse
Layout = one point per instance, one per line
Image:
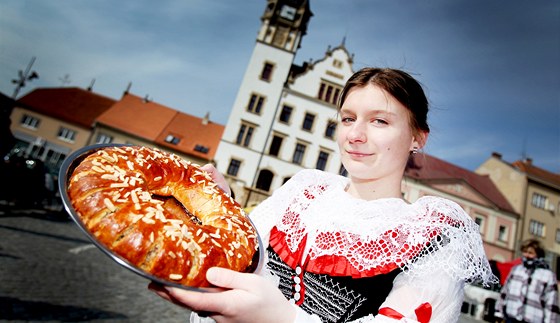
(312, 223)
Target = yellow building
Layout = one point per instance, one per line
(50, 123)
(534, 193)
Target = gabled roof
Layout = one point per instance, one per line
(424, 167)
(535, 172)
(69, 104)
(138, 117)
(197, 136)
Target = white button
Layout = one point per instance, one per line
(296, 296)
(292, 301)
(297, 288)
(297, 280)
(298, 270)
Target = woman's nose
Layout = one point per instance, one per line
(357, 134)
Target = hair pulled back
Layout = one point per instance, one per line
(400, 85)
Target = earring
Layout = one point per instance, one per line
(414, 150)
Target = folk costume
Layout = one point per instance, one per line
(342, 259)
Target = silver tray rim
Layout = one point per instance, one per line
(67, 168)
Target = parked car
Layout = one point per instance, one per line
(26, 182)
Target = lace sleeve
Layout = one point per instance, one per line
(426, 296)
(457, 249)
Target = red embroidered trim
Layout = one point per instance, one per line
(340, 265)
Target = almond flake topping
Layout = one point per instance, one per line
(98, 169)
(109, 205)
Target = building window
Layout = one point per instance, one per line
(201, 149)
(539, 201)
(266, 73)
(66, 134)
(337, 63)
(536, 228)
(342, 171)
(255, 104)
(30, 122)
(299, 152)
(172, 139)
(103, 139)
(244, 135)
(54, 159)
(308, 122)
(233, 167)
(480, 221)
(330, 130)
(322, 160)
(502, 233)
(264, 180)
(329, 92)
(275, 145)
(286, 114)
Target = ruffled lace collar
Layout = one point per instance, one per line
(326, 230)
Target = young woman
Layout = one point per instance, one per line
(351, 249)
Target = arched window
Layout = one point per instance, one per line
(264, 180)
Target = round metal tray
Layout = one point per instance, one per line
(66, 170)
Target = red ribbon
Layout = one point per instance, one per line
(423, 313)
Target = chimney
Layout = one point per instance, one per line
(496, 155)
(529, 161)
(206, 118)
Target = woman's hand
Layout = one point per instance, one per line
(217, 177)
(244, 298)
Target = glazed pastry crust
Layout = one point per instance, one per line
(162, 214)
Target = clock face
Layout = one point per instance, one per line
(288, 12)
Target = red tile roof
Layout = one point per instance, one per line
(154, 122)
(424, 167)
(136, 116)
(527, 167)
(70, 104)
(193, 132)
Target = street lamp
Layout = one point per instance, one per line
(23, 77)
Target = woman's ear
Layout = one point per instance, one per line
(419, 140)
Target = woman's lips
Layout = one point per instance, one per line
(357, 154)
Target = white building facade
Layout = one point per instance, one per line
(284, 116)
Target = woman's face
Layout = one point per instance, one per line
(374, 135)
(529, 253)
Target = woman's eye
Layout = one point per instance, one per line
(380, 121)
(347, 119)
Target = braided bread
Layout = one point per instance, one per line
(161, 213)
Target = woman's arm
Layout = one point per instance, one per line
(550, 298)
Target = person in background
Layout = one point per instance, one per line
(351, 249)
(530, 293)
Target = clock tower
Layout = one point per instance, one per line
(284, 23)
(247, 132)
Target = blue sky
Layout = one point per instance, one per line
(491, 69)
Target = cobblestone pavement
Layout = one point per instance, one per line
(49, 271)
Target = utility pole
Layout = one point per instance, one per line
(23, 77)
